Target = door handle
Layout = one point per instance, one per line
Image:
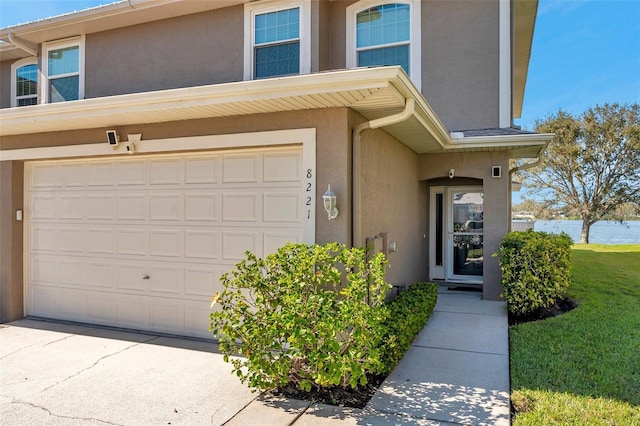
(146, 277)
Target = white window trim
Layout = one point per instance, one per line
(415, 41)
(32, 60)
(44, 70)
(258, 8)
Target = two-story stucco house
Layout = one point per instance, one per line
(146, 144)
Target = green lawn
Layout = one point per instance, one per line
(583, 367)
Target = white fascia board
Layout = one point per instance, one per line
(364, 79)
(502, 141)
(505, 79)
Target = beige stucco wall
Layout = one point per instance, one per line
(435, 168)
(460, 60)
(11, 246)
(193, 50)
(460, 42)
(5, 84)
(333, 166)
(393, 201)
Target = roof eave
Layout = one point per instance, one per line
(524, 18)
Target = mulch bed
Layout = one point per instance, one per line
(560, 307)
(359, 397)
(336, 395)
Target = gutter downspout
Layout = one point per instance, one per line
(356, 166)
(21, 44)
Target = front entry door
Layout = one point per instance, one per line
(457, 234)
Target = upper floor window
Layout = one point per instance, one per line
(24, 82)
(63, 70)
(279, 38)
(382, 33)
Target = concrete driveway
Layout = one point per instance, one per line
(63, 374)
(456, 372)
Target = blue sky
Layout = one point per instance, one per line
(585, 52)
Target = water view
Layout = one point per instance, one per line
(603, 232)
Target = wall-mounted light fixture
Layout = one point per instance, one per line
(329, 199)
(496, 171)
(133, 140)
(452, 173)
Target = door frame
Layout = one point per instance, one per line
(444, 272)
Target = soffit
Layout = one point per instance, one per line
(524, 17)
(372, 92)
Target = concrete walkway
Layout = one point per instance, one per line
(456, 372)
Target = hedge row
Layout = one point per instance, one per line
(408, 314)
(536, 270)
(315, 316)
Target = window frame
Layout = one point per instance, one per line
(32, 60)
(251, 10)
(415, 35)
(47, 47)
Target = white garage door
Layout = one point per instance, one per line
(141, 242)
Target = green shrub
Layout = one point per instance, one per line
(307, 314)
(408, 314)
(536, 269)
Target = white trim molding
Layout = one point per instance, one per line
(44, 69)
(32, 60)
(257, 8)
(415, 42)
(505, 85)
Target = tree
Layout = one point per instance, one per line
(592, 165)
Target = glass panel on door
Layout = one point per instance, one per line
(467, 256)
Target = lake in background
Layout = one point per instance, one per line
(603, 232)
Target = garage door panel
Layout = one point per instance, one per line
(71, 207)
(71, 304)
(281, 207)
(100, 307)
(132, 206)
(275, 240)
(166, 279)
(72, 175)
(166, 172)
(196, 319)
(43, 269)
(101, 174)
(202, 281)
(43, 207)
(240, 168)
(166, 206)
(166, 315)
(44, 238)
(45, 176)
(132, 173)
(142, 242)
(202, 170)
(166, 242)
(100, 206)
(202, 206)
(131, 241)
(201, 244)
(131, 312)
(240, 207)
(100, 274)
(130, 276)
(72, 271)
(234, 244)
(282, 167)
(71, 239)
(100, 240)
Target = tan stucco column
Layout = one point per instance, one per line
(11, 241)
